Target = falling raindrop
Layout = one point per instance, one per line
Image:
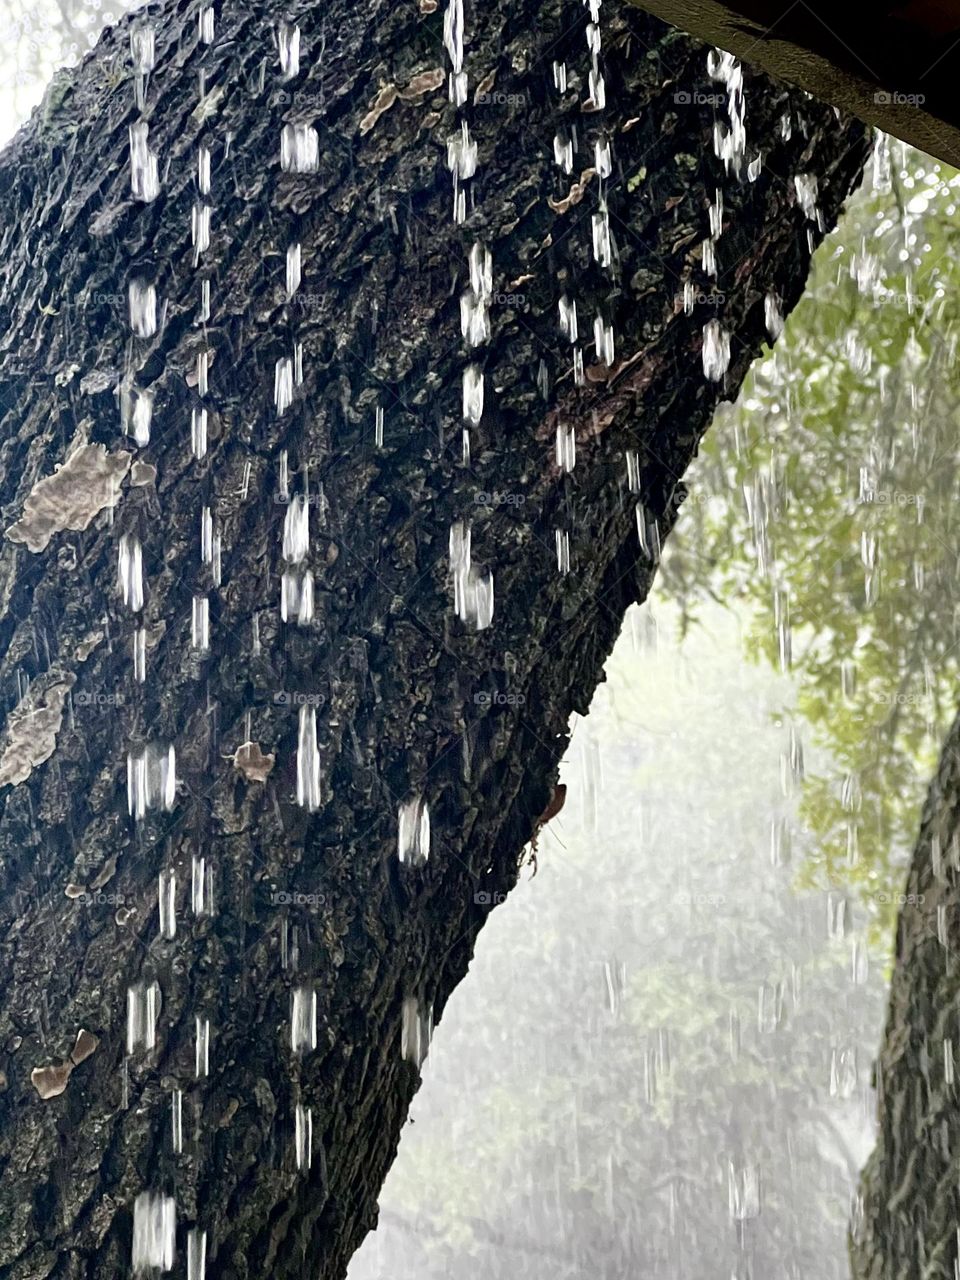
(151, 779)
(563, 550)
(303, 1136)
(154, 1232)
(196, 1254)
(299, 149)
(413, 832)
(472, 394)
(176, 1121)
(293, 269)
(566, 446)
(205, 24)
(283, 383)
(288, 43)
(303, 1020)
(416, 1029)
(296, 530)
(130, 572)
(308, 760)
(166, 903)
(716, 350)
(201, 1047)
(143, 1008)
(144, 176)
(143, 308)
(200, 624)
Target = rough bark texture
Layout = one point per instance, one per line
(401, 688)
(892, 64)
(906, 1225)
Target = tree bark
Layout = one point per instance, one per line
(892, 64)
(906, 1220)
(403, 692)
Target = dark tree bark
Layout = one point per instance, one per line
(400, 685)
(906, 1224)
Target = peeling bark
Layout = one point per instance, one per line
(400, 687)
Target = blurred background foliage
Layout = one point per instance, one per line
(824, 508)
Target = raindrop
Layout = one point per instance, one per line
(151, 779)
(299, 149)
(288, 42)
(296, 530)
(416, 1029)
(143, 50)
(413, 832)
(201, 1047)
(568, 318)
(200, 624)
(303, 1020)
(293, 269)
(716, 350)
(472, 394)
(143, 308)
(308, 760)
(563, 550)
(773, 315)
(167, 903)
(196, 1254)
(566, 446)
(198, 433)
(143, 1008)
(154, 1232)
(130, 572)
(144, 177)
(283, 384)
(201, 887)
(303, 1136)
(176, 1121)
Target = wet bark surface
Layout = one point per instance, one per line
(404, 693)
(906, 1219)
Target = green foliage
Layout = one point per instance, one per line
(825, 501)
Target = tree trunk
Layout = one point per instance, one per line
(408, 700)
(906, 1223)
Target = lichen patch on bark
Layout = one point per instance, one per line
(32, 728)
(86, 484)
